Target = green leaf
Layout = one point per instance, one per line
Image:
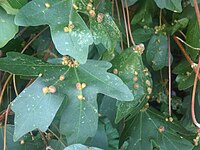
(34, 110)
(85, 112)
(53, 13)
(80, 147)
(185, 75)
(8, 8)
(157, 52)
(177, 25)
(141, 35)
(29, 144)
(130, 68)
(105, 32)
(193, 37)
(143, 132)
(192, 2)
(17, 4)
(8, 28)
(173, 5)
(144, 14)
(130, 2)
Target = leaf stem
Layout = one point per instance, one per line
(33, 39)
(14, 85)
(185, 53)
(129, 25)
(195, 48)
(197, 11)
(57, 137)
(5, 125)
(125, 24)
(119, 20)
(193, 96)
(4, 87)
(169, 76)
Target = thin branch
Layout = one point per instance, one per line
(169, 76)
(195, 48)
(5, 125)
(113, 4)
(185, 54)
(14, 85)
(125, 24)
(197, 11)
(4, 88)
(119, 20)
(57, 137)
(193, 97)
(98, 4)
(44, 139)
(33, 39)
(129, 25)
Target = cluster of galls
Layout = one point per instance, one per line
(159, 28)
(69, 61)
(139, 48)
(196, 140)
(80, 86)
(69, 27)
(50, 89)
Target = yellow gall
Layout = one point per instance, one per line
(147, 97)
(115, 71)
(196, 141)
(22, 142)
(148, 82)
(136, 85)
(161, 129)
(166, 119)
(171, 119)
(89, 6)
(100, 17)
(45, 90)
(75, 6)
(149, 90)
(47, 5)
(92, 13)
(52, 89)
(66, 29)
(83, 85)
(80, 97)
(62, 77)
(135, 73)
(78, 86)
(135, 78)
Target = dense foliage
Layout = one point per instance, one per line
(99, 74)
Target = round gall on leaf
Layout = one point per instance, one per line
(22, 142)
(161, 129)
(52, 89)
(78, 86)
(62, 77)
(92, 13)
(80, 97)
(45, 90)
(83, 85)
(47, 5)
(115, 71)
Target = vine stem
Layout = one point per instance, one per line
(197, 11)
(119, 21)
(129, 25)
(5, 125)
(57, 137)
(125, 24)
(4, 87)
(169, 76)
(193, 96)
(185, 54)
